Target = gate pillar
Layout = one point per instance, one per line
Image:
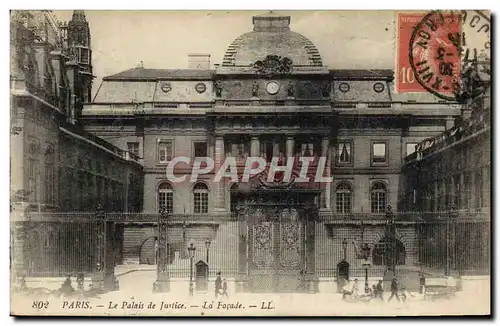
(312, 279)
(104, 271)
(241, 277)
(18, 238)
(162, 283)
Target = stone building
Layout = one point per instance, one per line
(57, 166)
(271, 96)
(449, 176)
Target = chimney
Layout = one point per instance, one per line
(199, 61)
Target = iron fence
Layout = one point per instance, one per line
(54, 244)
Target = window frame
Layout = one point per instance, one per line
(138, 147)
(414, 150)
(337, 156)
(372, 144)
(168, 190)
(194, 148)
(386, 197)
(159, 142)
(351, 197)
(200, 194)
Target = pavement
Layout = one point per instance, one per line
(135, 297)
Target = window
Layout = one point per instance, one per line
(165, 151)
(49, 175)
(343, 196)
(344, 153)
(379, 154)
(83, 55)
(200, 198)
(410, 148)
(200, 149)
(378, 197)
(165, 197)
(133, 148)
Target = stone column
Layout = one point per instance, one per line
(462, 195)
(452, 193)
(325, 195)
(290, 144)
(276, 148)
(255, 146)
(220, 196)
(486, 187)
(436, 197)
(472, 188)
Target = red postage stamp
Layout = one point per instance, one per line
(429, 57)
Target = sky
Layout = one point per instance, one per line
(163, 39)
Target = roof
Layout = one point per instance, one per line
(271, 36)
(155, 74)
(362, 73)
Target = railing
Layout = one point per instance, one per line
(233, 216)
(432, 246)
(264, 102)
(479, 123)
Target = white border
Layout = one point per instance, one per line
(190, 4)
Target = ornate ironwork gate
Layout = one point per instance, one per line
(277, 237)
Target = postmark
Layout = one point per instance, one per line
(443, 60)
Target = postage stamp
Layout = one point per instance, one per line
(250, 170)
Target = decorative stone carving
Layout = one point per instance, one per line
(290, 90)
(325, 90)
(255, 89)
(218, 88)
(273, 65)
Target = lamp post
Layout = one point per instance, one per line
(344, 247)
(391, 234)
(207, 245)
(191, 250)
(365, 250)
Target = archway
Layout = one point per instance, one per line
(147, 251)
(382, 252)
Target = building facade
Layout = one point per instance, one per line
(449, 176)
(272, 96)
(57, 166)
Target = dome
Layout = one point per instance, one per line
(271, 36)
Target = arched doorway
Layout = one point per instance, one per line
(382, 252)
(147, 251)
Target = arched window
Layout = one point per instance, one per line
(200, 198)
(165, 197)
(49, 175)
(385, 248)
(378, 197)
(343, 196)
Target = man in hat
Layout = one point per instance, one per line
(394, 289)
(218, 284)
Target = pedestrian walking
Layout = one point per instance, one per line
(394, 290)
(380, 290)
(218, 284)
(224, 289)
(355, 288)
(79, 281)
(66, 286)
